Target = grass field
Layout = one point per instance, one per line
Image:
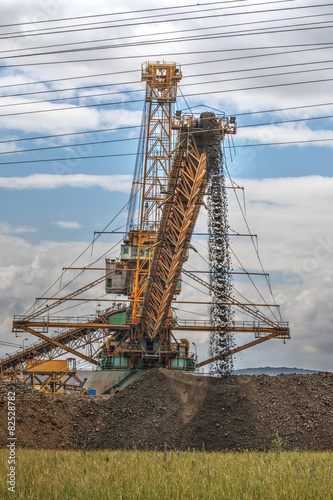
(167, 475)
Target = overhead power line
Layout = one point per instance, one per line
(308, 141)
(9, 344)
(120, 155)
(114, 103)
(177, 40)
(158, 41)
(285, 109)
(315, 46)
(85, 132)
(110, 141)
(147, 56)
(71, 44)
(324, 117)
(146, 22)
(121, 92)
(41, 82)
(90, 16)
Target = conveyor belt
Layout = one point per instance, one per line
(186, 190)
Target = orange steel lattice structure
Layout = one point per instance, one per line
(161, 92)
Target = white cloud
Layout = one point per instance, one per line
(27, 271)
(120, 183)
(296, 210)
(7, 147)
(67, 224)
(6, 228)
(57, 121)
(285, 133)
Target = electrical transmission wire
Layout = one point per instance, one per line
(90, 16)
(146, 22)
(120, 155)
(178, 39)
(121, 92)
(72, 44)
(255, 248)
(109, 141)
(114, 103)
(59, 279)
(260, 68)
(315, 46)
(267, 111)
(234, 288)
(224, 35)
(9, 344)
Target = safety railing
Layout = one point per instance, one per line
(233, 324)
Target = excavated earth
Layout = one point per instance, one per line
(241, 412)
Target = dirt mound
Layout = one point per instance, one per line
(21, 389)
(241, 412)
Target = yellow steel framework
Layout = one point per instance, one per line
(58, 376)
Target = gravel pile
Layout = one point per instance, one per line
(21, 389)
(240, 412)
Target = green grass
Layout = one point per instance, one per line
(174, 475)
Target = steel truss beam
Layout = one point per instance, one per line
(46, 308)
(238, 349)
(75, 336)
(161, 91)
(256, 314)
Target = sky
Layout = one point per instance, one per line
(78, 106)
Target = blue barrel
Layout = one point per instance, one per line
(91, 392)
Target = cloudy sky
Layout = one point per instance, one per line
(71, 103)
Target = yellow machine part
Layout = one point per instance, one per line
(53, 366)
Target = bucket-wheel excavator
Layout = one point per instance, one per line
(168, 190)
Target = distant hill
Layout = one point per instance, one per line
(265, 370)
(269, 370)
